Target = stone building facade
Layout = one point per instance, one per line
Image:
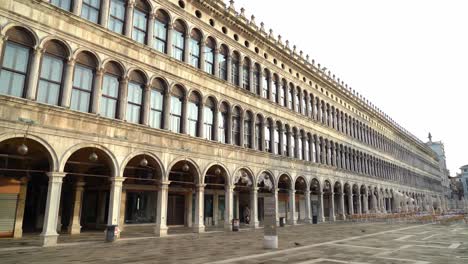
(165, 113)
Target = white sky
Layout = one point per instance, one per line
(408, 57)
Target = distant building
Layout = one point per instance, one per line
(464, 178)
(438, 148)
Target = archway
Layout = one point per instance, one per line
(357, 203)
(143, 178)
(244, 198)
(365, 202)
(216, 183)
(185, 197)
(338, 205)
(328, 201)
(286, 206)
(266, 187)
(300, 186)
(85, 191)
(24, 164)
(316, 199)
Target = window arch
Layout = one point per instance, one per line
(158, 89)
(222, 61)
(161, 23)
(116, 16)
(178, 40)
(49, 89)
(266, 83)
(90, 10)
(83, 81)
(246, 74)
(235, 68)
(256, 78)
(15, 61)
(208, 118)
(193, 114)
(236, 125)
(113, 73)
(210, 55)
(223, 120)
(195, 47)
(140, 21)
(177, 98)
(248, 129)
(136, 86)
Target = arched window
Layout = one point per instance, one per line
(161, 23)
(195, 46)
(63, 4)
(140, 21)
(235, 68)
(265, 83)
(304, 103)
(276, 88)
(256, 78)
(51, 74)
(208, 117)
(15, 61)
(209, 55)
(110, 90)
(222, 61)
(283, 92)
(90, 10)
(83, 79)
(246, 74)
(116, 16)
(290, 97)
(178, 40)
(236, 123)
(136, 86)
(223, 123)
(158, 88)
(177, 97)
(285, 141)
(248, 130)
(193, 106)
(297, 100)
(267, 131)
(277, 139)
(258, 131)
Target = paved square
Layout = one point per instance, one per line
(326, 243)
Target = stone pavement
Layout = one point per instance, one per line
(355, 243)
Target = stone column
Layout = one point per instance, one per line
(150, 31)
(161, 210)
(343, 212)
(67, 83)
(216, 124)
(332, 207)
(262, 135)
(123, 93)
(272, 138)
(275, 193)
(123, 203)
(115, 199)
(229, 69)
(76, 7)
(49, 233)
(104, 13)
(184, 120)
(281, 141)
(292, 207)
(215, 209)
(167, 111)
(241, 71)
(308, 209)
(97, 91)
(201, 120)
(187, 49)
(350, 204)
(321, 211)
(18, 231)
(254, 208)
(146, 105)
(241, 129)
(75, 219)
(229, 208)
(251, 78)
(129, 19)
(216, 62)
(33, 76)
(288, 144)
(199, 226)
(170, 29)
(365, 199)
(359, 204)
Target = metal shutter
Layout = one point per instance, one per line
(7, 212)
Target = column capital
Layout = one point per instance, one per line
(200, 187)
(117, 180)
(255, 189)
(56, 175)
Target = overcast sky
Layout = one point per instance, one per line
(408, 57)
